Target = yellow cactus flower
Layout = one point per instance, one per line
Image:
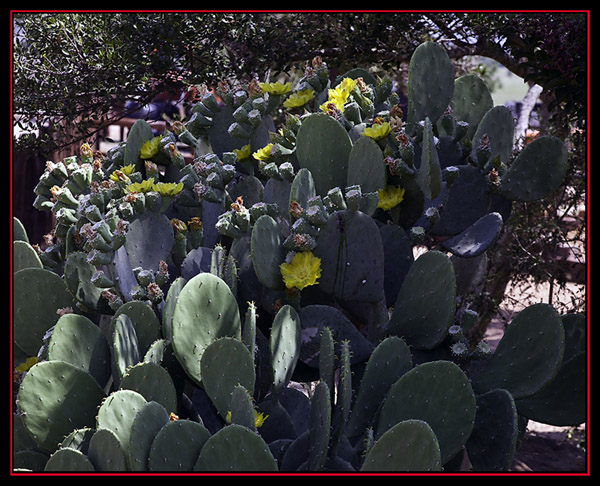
(299, 98)
(86, 151)
(277, 88)
(302, 271)
(264, 153)
(141, 187)
(243, 153)
(390, 197)
(378, 131)
(336, 98)
(339, 95)
(29, 362)
(347, 84)
(259, 418)
(168, 189)
(150, 148)
(127, 170)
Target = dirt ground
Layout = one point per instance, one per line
(546, 448)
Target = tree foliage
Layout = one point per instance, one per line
(78, 70)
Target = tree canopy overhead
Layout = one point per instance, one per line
(74, 69)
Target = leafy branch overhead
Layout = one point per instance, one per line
(80, 70)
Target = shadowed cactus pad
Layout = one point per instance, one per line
(424, 308)
(235, 448)
(176, 446)
(438, 393)
(527, 357)
(409, 446)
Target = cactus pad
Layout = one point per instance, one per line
(424, 308)
(537, 171)
(226, 363)
(235, 448)
(409, 446)
(205, 310)
(323, 147)
(55, 398)
(527, 357)
(37, 296)
(439, 393)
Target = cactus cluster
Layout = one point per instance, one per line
(259, 307)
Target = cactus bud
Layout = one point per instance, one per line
(145, 277)
(138, 293)
(482, 350)
(155, 294)
(417, 234)
(271, 170)
(460, 351)
(257, 210)
(179, 228)
(432, 215)
(100, 280)
(86, 153)
(451, 174)
(456, 333)
(353, 198)
(316, 215)
(295, 209)
(286, 170)
(336, 199)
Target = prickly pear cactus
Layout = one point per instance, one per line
(258, 304)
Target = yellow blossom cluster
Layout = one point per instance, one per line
(150, 148)
(123, 173)
(277, 88)
(300, 98)
(264, 153)
(378, 131)
(340, 94)
(242, 153)
(166, 189)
